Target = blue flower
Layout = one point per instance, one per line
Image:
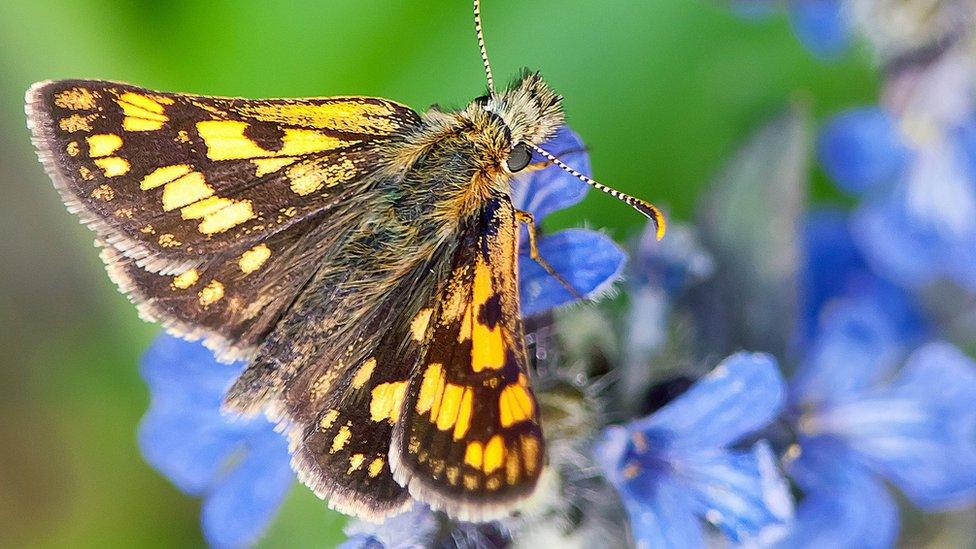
(862, 148)
(589, 261)
(678, 466)
(916, 166)
(859, 419)
(240, 468)
(822, 26)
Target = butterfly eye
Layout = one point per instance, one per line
(518, 158)
(483, 100)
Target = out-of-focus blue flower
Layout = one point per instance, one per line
(676, 467)
(588, 260)
(914, 162)
(834, 268)
(858, 421)
(240, 468)
(421, 527)
(862, 148)
(822, 26)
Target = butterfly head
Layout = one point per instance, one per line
(526, 114)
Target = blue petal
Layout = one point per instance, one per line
(862, 148)
(589, 261)
(965, 136)
(416, 527)
(241, 507)
(832, 263)
(844, 505)
(900, 251)
(856, 347)
(549, 189)
(184, 435)
(743, 493)
(664, 519)
(741, 395)
(185, 373)
(931, 455)
(190, 448)
(821, 26)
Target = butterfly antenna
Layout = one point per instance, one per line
(481, 45)
(650, 210)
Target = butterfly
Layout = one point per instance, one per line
(360, 256)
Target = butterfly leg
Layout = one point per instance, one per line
(529, 221)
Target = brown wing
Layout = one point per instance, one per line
(172, 179)
(468, 439)
(212, 211)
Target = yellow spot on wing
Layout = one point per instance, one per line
(494, 454)
(352, 115)
(205, 207)
(487, 344)
(76, 99)
(341, 439)
(511, 467)
(254, 258)
(141, 102)
(418, 326)
(141, 113)
(515, 404)
(264, 166)
(211, 294)
(85, 173)
(72, 148)
(187, 279)
(113, 165)
(530, 452)
(464, 414)
(474, 454)
(386, 401)
(226, 218)
(225, 140)
(355, 462)
(305, 179)
(450, 404)
(161, 176)
(103, 192)
(103, 144)
(186, 190)
(328, 419)
(363, 373)
(431, 389)
(77, 123)
(375, 467)
(168, 240)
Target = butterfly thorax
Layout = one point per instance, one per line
(456, 161)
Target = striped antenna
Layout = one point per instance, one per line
(650, 210)
(481, 45)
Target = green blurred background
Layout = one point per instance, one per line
(661, 90)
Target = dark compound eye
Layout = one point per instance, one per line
(519, 157)
(483, 100)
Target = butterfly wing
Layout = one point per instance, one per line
(468, 438)
(204, 204)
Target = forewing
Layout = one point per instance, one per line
(468, 439)
(170, 180)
